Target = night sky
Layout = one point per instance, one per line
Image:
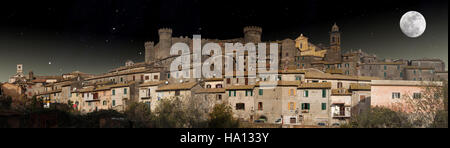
(94, 36)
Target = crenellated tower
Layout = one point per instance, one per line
(165, 43)
(252, 34)
(149, 52)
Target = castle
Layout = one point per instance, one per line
(316, 84)
(302, 54)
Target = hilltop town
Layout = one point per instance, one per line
(317, 84)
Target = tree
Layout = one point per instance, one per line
(140, 115)
(379, 117)
(222, 117)
(5, 102)
(423, 107)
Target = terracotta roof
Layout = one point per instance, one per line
(50, 92)
(297, 71)
(151, 83)
(213, 79)
(315, 85)
(182, 86)
(112, 74)
(83, 90)
(340, 92)
(384, 63)
(122, 85)
(240, 87)
(357, 86)
(210, 90)
(335, 71)
(321, 75)
(282, 83)
(420, 68)
(39, 81)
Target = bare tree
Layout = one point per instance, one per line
(423, 107)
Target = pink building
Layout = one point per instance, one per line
(391, 93)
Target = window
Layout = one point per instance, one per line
(121, 79)
(177, 93)
(228, 81)
(249, 92)
(396, 95)
(306, 94)
(417, 96)
(134, 78)
(219, 97)
(260, 106)
(113, 102)
(324, 106)
(261, 92)
(113, 92)
(401, 74)
(168, 75)
(324, 93)
(340, 85)
(89, 104)
(298, 78)
(292, 92)
(104, 103)
(208, 86)
(149, 105)
(125, 91)
(305, 106)
(385, 67)
(149, 92)
(219, 86)
(291, 106)
(362, 99)
(156, 77)
(240, 106)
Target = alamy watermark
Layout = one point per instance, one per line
(241, 61)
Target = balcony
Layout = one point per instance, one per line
(340, 111)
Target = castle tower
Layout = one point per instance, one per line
(31, 75)
(20, 70)
(165, 43)
(334, 54)
(252, 34)
(149, 52)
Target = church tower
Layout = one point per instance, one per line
(334, 53)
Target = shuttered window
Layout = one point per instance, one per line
(324, 106)
(324, 93)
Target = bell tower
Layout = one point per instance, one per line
(334, 53)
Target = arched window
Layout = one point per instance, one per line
(208, 86)
(105, 103)
(340, 85)
(219, 86)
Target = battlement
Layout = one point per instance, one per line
(165, 30)
(252, 29)
(149, 43)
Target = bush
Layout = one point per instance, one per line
(5, 102)
(140, 115)
(379, 117)
(222, 117)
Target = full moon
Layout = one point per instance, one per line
(413, 24)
